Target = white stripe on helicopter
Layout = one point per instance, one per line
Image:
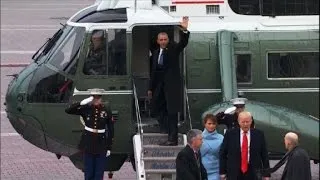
(278, 90)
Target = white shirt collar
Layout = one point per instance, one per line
(241, 131)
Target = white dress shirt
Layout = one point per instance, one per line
(248, 137)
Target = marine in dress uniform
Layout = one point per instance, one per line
(230, 116)
(96, 140)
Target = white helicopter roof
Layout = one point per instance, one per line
(113, 4)
(143, 12)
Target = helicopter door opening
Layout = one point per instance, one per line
(144, 43)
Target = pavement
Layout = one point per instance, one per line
(25, 26)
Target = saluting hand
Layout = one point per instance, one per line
(185, 22)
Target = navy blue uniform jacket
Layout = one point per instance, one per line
(95, 118)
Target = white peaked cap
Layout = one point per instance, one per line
(237, 101)
(96, 91)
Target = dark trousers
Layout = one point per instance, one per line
(160, 106)
(94, 165)
(162, 110)
(173, 127)
(249, 175)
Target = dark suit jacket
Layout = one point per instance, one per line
(186, 166)
(171, 73)
(230, 154)
(298, 166)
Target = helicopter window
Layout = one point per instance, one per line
(107, 58)
(48, 86)
(275, 7)
(96, 61)
(243, 68)
(117, 48)
(66, 56)
(293, 65)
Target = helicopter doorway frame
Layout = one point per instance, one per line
(146, 58)
(150, 33)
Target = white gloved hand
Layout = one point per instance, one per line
(108, 153)
(230, 110)
(86, 101)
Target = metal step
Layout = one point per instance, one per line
(161, 151)
(160, 176)
(160, 171)
(159, 162)
(164, 163)
(156, 138)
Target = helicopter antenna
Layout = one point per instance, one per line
(63, 24)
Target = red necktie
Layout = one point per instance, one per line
(244, 153)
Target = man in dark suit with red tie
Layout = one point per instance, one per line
(243, 153)
(166, 82)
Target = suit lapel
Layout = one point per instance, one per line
(238, 145)
(155, 58)
(195, 164)
(252, 143)
(165, 52)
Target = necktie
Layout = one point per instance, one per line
(244, 153)
(161, 58)
(196, 155)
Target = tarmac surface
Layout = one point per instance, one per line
(25, 26)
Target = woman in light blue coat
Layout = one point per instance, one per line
(210, 148)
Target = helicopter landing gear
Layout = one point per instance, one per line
(110, 175)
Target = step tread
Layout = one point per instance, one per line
(157, 134)
(160, 158)
(163, 147)
(160, 171)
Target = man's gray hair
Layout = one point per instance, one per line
(193, 133)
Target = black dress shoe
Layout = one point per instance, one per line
(169, 143)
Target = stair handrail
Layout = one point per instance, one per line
(140, 129)
(188, 107)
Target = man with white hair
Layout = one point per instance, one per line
(188, 162)
(298, 161)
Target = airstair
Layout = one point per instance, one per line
(153, 162)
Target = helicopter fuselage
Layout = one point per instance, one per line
(277, 63)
